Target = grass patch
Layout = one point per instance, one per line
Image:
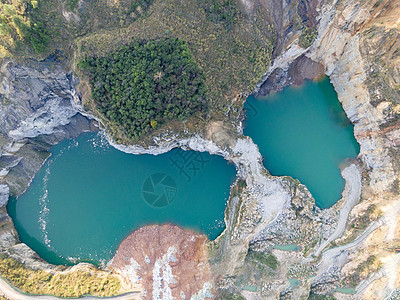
(313, 296)
(231, 47)
(72, 4)
(258, 268)
(50, 30)
(222, 12)
(225, 295)
(360, 223)
(65, 284)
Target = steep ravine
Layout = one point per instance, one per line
(357, 46)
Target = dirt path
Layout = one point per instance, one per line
(352, 193)
(337, 256)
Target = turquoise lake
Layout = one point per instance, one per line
(89, 196)
(303, 132)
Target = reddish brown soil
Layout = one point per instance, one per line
(148, 244)
(301, 69)
(304, 68)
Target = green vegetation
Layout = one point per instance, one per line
(140, 5)
(267, 259)
(307, 37)
(221, 11)
(145, 85)
(360, 223)
(363, 220)
(72, 4)
(225, 53)
(43, 21)
(226, 295)
(313, 296)
(20, 27)
(258, 268)
(371, 262)
(231, 47)
(68, 284)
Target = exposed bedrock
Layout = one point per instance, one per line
(358, 47)
(300, 69)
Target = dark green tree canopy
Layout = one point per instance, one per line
(142, 86)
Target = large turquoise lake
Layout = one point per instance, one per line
(89, 196)
(303, 132)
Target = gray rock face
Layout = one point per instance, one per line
(38, 109)
(36, 98)
(4, 191)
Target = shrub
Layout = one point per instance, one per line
(20, 26)
(221, 11)
(307, 37)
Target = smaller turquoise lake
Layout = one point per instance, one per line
(89, 196)
(304, 133)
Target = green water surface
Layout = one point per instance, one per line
(303, 132)
(294, 282)
(89, 196)
(348, 291)
(288, 247)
